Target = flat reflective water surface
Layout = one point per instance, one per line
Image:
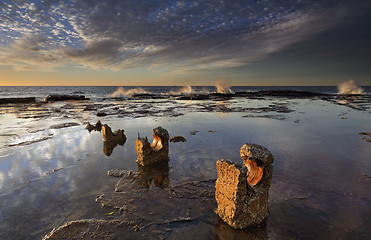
(52, 169)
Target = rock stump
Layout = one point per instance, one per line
(242, 191)
(157, 152)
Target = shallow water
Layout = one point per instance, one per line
(320, 188)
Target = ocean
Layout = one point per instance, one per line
(99, 92)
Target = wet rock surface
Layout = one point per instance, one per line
(308, 209)
(242, 191)
(116, 172)
(64, 125)
(153, 105)
(88, 229)
(360, 102)
(224, 232)
(140, 212)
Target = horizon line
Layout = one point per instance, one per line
(172, 85)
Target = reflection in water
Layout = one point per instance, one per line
(222, 108)
(225, 232)
(110, 139)
(108, 146)
(158, 173)
(96, 127)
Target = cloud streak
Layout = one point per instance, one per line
(185, 35)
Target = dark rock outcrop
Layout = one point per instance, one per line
(17, 100)
(55, 98)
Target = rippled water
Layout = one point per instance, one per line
(320, 186)
(103, 92)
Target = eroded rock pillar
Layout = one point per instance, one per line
(157, 152)
(242, 191)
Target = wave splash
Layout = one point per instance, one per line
(184, 90)
(223, 86)
(122, 92)
(349, 87)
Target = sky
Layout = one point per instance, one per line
(196, 42)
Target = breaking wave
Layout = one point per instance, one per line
(349, 87)
(184, 90)
(223, 86)
(122, 92)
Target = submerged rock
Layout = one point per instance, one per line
(242, 191)
(90, 229)
(153, 214)
(156, 152)
(116, 172)
(128, 181)
(194, 132)
(178, 139)
(224, 232)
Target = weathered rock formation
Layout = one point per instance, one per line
(242, 191)
(111, 140)
(157, 152)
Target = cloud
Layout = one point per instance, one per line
(31, 53)
(186, 35)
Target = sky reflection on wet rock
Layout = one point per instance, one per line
(318, 161)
